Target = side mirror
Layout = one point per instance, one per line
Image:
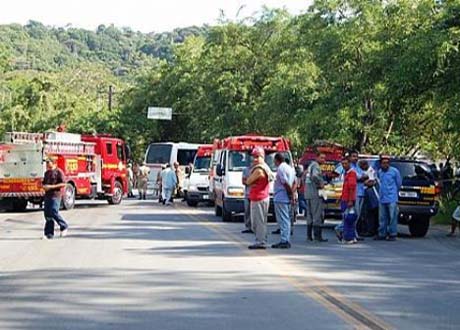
(219, 170)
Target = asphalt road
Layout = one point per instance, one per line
(145, 266)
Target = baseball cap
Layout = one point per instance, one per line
(258, 152)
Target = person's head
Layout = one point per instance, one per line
(320, 157)
(354, 157)
(279, 159)
(346, 164)
(50, 164)
(364, 164)
(163, 166)
(385, 162)
(176, 165)
(168, 165)
(258, 155)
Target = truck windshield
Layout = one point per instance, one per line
(159, 154)
(202, 164)
(238, 160)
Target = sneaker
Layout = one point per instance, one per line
(47, 237)
(247, 231)
(276, 232)
(391, 238)
(64, 232)
(282, 245)
(350, 242)
(257, 246)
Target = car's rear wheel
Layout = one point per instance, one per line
(68, 199)
(418, 226)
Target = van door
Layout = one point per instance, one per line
(219, 179)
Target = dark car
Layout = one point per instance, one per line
(418, 197)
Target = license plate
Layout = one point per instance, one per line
(408, 194)
(205, 197)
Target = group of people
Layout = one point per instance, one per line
(365, 194)
(168, 181)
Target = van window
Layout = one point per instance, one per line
(185, 156)
(159, 154)
(108, 148)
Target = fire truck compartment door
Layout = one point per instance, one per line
(21, 161)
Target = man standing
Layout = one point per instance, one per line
(369, 213)
(247, 202)
(348, 198)
(168, 184)
(143, 180)
(130, 180)
(53, 182)
(283, 199)
(179, 179)
(390, 184)
(313, 183)
(259, 195)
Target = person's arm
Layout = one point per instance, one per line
(60, 183)
(352, 188)
(398, 180)
(255, 175)
(317, 177)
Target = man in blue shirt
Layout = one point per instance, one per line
(390, 184)
(283, 199)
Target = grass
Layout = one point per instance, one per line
(446, 208)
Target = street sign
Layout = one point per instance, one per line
(159, 113)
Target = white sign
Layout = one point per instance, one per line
(159, 113)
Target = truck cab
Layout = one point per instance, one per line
(198, 177)
(233, 157)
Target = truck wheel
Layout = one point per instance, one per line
(117, 195)
(218, 210)
(68, 199)
(418, 227)
(226, 215)
(19, 205)
(192, 203)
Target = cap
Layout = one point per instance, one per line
(382, 157)
(258, 152)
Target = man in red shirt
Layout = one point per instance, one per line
(348, 198)
(259, 197)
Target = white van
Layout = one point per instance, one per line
(160, 153)
(232, 157)
(198, 177)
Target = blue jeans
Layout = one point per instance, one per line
(283, 216)
(302, 203)
(388, 220)
(52, 214)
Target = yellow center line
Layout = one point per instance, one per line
(352, 313)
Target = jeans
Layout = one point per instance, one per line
(314, 212)
(388, 220)
(283, 216)
(52, 214)
(302, 203)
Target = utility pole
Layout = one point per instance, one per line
(110, 97)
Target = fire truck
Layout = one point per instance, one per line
(230, 157)
(94, 167)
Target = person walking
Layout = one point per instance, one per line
(143, 180)
(314, 182)
(53, 182)
(259, 194)
(247, 202)
(168, 184)
(130, 180)
(390, 183)
(283, 199)
(348, 202)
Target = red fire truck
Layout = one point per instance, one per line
(94, 167)
(230, 157)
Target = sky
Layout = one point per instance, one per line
(142, 15)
